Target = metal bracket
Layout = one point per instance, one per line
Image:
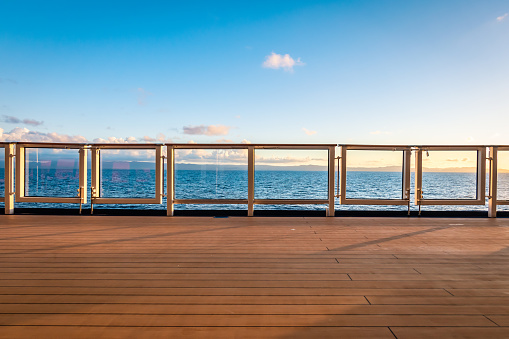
(80, 195)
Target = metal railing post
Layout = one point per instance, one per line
(170, 180)
(407, 154)
(342, 184)
(250, 180)
(159, 175)
(418, 178)
(332, 169)
(481, 175)
(83, 175)
(20, 171)
(95, 189)
(9, 179)
(492, 201)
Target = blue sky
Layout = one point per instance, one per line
(376, 72)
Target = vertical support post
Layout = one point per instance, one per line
(407, 154)
(95, 185)
(170, 179)
(342, 184)
(481, 175)
(20, 171)
(492, 202)
(159, 174)
(9, 179)
(250, 180)
(418, 178)
(332, 172)
(83, 175)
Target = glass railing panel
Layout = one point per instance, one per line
(127, 173)
(211, 174)
(51, 172)
(291, 174)
(2, 172)
(503, 175)
(374, 174)
(449, 175)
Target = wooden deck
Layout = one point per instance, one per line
(239, 277)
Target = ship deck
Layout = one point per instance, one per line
(259, 277)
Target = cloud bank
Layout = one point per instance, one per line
(13, 120)
(25, 135)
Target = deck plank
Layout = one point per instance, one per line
(201, 277)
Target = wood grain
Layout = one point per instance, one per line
(239, 277)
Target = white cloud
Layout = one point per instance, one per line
(25, 135)
(308, 132)
(277, 61)
(207, 130)
(148, 139)
(227, 141)
(502, 17)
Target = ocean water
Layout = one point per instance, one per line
(232, 184)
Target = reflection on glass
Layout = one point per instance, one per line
(211, 174)
(503, 175)
(289, 174)
(374, 174)
(127, 173)
(449, 175)
(2, 172)
(51, 172)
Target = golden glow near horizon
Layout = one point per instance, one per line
(443, 161)
(277, 158)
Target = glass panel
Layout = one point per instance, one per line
(2, 171)
(210, 174)
(127, 173)
(291, 174)
(374, 174)
(503, 175)
(51, 172)
(449, 175)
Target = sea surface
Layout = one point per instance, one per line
(232, 184)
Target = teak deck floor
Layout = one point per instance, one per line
(239, 277)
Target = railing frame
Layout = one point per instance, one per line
(250, 201)
(16, 174)
(95, 186)
(481, 176)
(405, 170)
(81, 197)
(8, 198)
(493, 200)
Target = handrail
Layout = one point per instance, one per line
(15, 150)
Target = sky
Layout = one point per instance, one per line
(348, 72)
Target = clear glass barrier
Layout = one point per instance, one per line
(2, 172)
(449, 175)
(374, 174)
(211, 174)
(127, 173)
(291, 174)
(503, 175)
(51, 172)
